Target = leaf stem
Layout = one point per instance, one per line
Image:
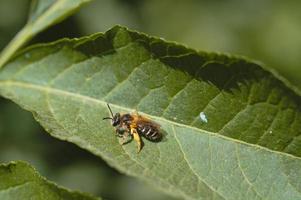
(19, 40)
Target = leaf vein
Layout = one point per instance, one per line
(243, 173)
(197, 175)
(174, 97)
(116, 87)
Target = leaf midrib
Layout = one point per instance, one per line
(45, 88)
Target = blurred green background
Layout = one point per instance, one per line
(264, 30)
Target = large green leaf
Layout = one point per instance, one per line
(18, 180)
(44, 13)
(249, 148)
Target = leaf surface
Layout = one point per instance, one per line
(20, 181)
(43, 14)
(248, 147)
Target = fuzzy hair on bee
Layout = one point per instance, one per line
(135, 126)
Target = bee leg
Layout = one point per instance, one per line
(137, 139)
(117, 133)
(136, 112)
(125, 139)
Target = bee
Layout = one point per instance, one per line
(134, 125)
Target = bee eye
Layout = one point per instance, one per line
(115, 121)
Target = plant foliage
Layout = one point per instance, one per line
(248, 147)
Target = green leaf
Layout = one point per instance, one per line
(43, 14)
(21, 181)
(249, 148)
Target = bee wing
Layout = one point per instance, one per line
(141, 120)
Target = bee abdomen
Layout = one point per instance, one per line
(149, 132)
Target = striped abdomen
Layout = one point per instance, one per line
(149, 131)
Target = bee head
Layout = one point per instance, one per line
(115, 118)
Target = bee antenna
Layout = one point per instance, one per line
(110, 110)
(106, 118)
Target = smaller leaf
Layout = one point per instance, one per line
(43, 14)
(19, 180)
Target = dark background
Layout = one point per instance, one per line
(264, 30)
